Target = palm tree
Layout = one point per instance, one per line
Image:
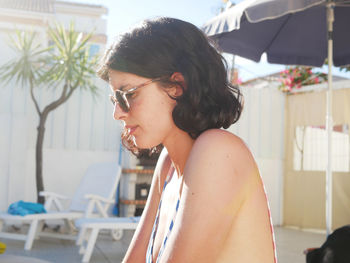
(65, 65)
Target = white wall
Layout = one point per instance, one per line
(261, 126)
(84, 24)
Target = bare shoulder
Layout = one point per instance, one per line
(225, 155)
(220, 138)
(216, 144)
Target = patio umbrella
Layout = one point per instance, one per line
(291, 32)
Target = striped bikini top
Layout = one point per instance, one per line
(149, 255)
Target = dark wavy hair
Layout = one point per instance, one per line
(160, 47)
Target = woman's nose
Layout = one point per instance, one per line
(118, 113)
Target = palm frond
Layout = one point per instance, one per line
(66, 61)
(24, 68)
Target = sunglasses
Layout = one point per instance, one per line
(122, 97)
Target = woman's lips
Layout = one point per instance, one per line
(131, 129)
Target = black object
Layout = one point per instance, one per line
(336, 249)
(138, 211)
(142, 191)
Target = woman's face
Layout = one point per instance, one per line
(149, 118)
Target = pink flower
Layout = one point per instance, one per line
(287, 82)
(317, 80)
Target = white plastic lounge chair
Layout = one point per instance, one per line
(92, 198)
(92, 227)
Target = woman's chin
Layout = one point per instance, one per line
(144, 144)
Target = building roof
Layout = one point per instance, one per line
(275, 77)
(72, 3)
(41, 6)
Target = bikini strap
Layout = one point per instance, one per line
(170, 174)
(149, 256)
(181, 186)
(162, 247)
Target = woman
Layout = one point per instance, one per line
(207, 202)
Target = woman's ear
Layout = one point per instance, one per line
(180, 84)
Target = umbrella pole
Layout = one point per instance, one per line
(329, 119)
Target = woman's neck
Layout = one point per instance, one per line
(179, 146)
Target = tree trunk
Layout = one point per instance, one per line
(39, 158)
(40, 139)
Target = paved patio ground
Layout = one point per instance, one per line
(290, 246)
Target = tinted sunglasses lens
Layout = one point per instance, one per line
(123, 103)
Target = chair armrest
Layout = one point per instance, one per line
(52, 194)
(98, 202)
(99, 198)
(53, 199)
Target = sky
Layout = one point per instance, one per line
(124, 14)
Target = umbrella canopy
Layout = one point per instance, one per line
(290, 32)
